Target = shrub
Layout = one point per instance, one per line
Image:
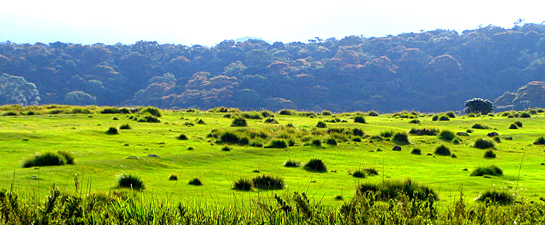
(540, 141)
(359, 119)
(358, 174)
(316, 142)
(490, 170)
(173, 177)
(480, 126)
(277, 144)
(239, 122)
(416, 151)
(182, 137)
(242, 185)
(130, 181)
(267, 182)
(292, 163)
(444, 118)
(356, 139)
(489, 154)
(401, 138)
(125, 127)
(415, 121)
(321, 124)
(483, 144)
(152, 111)
(271, 120)
(497, 139)
(518, 123)
(315, 165)
(291, 143)
(288, 112)
(226, 148)
(525, 115)
(392, 189)
(424, 131)
(387, 133)
(371, 171)
(195, 182)
(10, 113)
(112, 130)
(513, 126)
(447, 135)
(110, 110)
(68, 158)
(435, 118)
(229, 138)
(56, 111)
(372, 113)
(498, 197)
(149, 119)
(331, 141)
(358, 132)
(451, 114)
(252, 115)
(478, 105)
(46, 159)
(326, 113)
(442, 150)
(266, 113)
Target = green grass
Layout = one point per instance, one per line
(101, 158)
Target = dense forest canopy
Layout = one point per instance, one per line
(429, 71)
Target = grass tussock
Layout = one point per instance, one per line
(488, 170)
(49, 159)
(497, 197)
(484, 144)
(267, 182)
(130, 181)
(393, 189)
(315, 165)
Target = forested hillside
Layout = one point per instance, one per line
(428, 71)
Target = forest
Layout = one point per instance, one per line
(430, 71)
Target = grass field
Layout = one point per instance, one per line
(101, 158)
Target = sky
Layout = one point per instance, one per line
(209, 22)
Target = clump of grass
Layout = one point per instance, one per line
(489, 154)
(424, 131)
(371, 171)
(242, 185)
(358, 174)
(149, 119)
(112, 130)
(287, 112)
(152, 111)
(321, 124)
(9, 113)
(252, 115)
(315, 165)
(387, 133)
(498, 197)
(401, 138)
(480, 126)
(279, 143)
(358, 132)
(291, 163)
(316, 142)
(173, 177)
(266, 113)
(442, 150)
(540, 141)
(68, 158)
(267, 182)
(359, 119)
(271, 121)
(195, 182)
(490, 170)
(49, 159)
(525, 115)
(239, 122)
(518, 123)
(226, 148)
(513, 126)
(415, 121)
(130, 181)
(125, 127)
(372, 113)
(451, 114)
(182, 137)
(356, 139)
(483, 144)
(326, 113)
(416, 151)
(392, 189)
(331, 141)
(447, 135)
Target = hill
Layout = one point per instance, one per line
(429, 71)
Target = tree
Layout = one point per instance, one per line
(479, 105)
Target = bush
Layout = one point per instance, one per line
(267, 182)
(315, 165)
(442, 150)
(478, 105)
(291, 143)
(326, 113)
(416, 151)
(277, 144)
(525, 115)
(490, 170)
(149, 119)
(239, 122)
(110, 110)
(195, 182)
(68, 158)
(130, 181)
(266, 113)
(292, 163)
(540, 141)
(356, 139)
(252, 115)
(483, 144)
(271, 121)
(415, 121)
(321, 124)
(513, 126)
(358, 174)
(451, 114)
(242, 185)
(359, 119)
(173, 177)
(480, 126)
(387, 133)
(288, 112)
(358, 132)
(182, 137)
(424, 131)
(125, 127)
(152, 111)
(447, 135)
(498, 197)
(10, 113)
(331, 141)
(371, 171)
(489, 154)
(48, 159)
(226, 148)
(518, 123)
(392, 189)
(401, 138)
(372, 113)
(112, 130)
(316, 142)
(444, 118)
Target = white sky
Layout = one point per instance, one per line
(208, 22)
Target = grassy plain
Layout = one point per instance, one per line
(102, 158)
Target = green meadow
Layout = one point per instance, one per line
(154, 152)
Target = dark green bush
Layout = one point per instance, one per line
(112, 130)
(416, 151)
(513, 126)
(444, 118)
(173, 177)
(525, 115)
(442, 150)
(451, 114)
(182, 137)
(266, 113)
(480, 126)
(540, 141)
(359, 119)
(315, 165)
(10, 113)
(252, 115)
(321, 124)
(316, 142)
(292, 163)
(56, 111)
(392, 189)
(415, 121)
(271, 121)
(387, 133)
(489, 154)
(401, 138)
(110, 110)
(518, 123)
(331, 141)
(149, 119)
(490, 170)
(291, 143)
(358, 132)
(130, 181)
(68, 158)
(356, 139)
(195, 182)
(267, 182)
(498, 197)
(483, 144)
(288, 112)
(239, 122)
(48, 159)
(447, 135)
(358, 174)
(326, 113)
(243, 185)
(371, 171)
(152, 111)
(372, 113)
(424, 131)
(229, 138)
(277, 144)
(125, 127)
(226, 148)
